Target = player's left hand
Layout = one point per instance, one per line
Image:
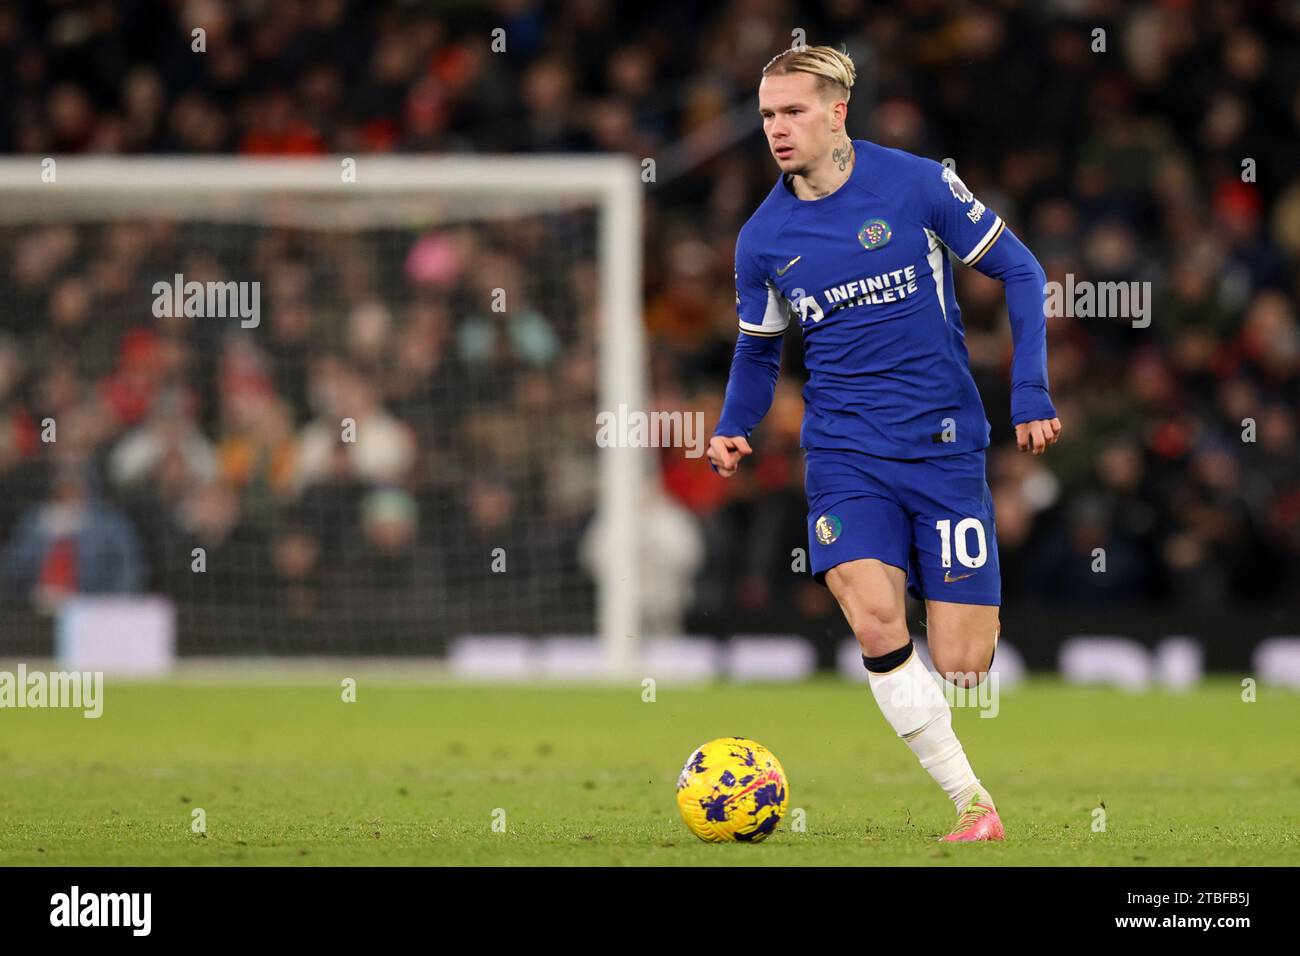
(1035, 436)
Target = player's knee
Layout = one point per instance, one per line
(879, 629)
(963, 667)
(964, 677)
(962, 644)
(874, 612)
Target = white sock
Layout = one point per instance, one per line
(919, 713)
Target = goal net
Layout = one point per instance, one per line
(322, 406)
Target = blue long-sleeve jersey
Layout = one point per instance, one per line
(866, 273)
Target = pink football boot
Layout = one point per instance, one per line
(979, 821)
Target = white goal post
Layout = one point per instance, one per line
(35, 190)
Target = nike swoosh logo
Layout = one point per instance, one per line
(781, 272)
(949, 579)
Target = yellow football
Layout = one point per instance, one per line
(732, 790)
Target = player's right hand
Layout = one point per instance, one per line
(725, 453)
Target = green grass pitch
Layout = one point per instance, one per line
(413, 774)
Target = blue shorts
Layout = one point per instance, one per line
(931, 517)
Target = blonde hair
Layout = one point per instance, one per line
(833, 69)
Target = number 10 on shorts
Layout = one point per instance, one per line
(967, 560)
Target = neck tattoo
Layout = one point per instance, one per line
(842, 156)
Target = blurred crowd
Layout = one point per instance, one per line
(1169, 155)
(344, 469)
